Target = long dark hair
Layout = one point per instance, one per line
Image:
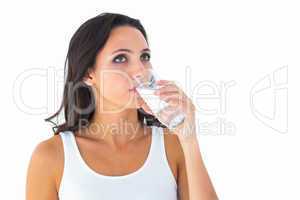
(84, 45)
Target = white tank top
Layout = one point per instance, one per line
(154, 180)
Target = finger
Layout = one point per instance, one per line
(170, 92)
(167, 88)
(163, 82)
(168, 110)
(173, 99)
(173, 102)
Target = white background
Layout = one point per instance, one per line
(248, 44)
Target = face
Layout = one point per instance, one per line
(125, 55)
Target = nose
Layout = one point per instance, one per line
(139, 69)
(137, 78)
(139, 72)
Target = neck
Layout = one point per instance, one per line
(115, 129)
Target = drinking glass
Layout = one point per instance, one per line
(146, 85)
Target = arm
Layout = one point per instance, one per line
(40, 183)
(199, 183)
(193, 180)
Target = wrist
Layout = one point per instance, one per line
(188, 139)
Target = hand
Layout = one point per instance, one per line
(176, 98)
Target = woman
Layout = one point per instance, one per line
(111, 146)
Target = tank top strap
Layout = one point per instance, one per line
(70, 155)
(158, 144)
(159, 161)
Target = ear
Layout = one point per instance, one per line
(89, 78)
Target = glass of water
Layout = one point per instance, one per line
(146, 85)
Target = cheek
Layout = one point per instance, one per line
(114, 86)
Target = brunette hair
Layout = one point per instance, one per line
(84, 45)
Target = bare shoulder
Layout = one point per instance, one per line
(48, 147)
(48, 151)
(45, 168)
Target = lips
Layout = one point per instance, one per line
(132, 89)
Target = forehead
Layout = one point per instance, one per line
(125, 37)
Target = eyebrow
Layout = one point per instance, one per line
(128, 50)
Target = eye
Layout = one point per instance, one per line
(145, 56)
(120, 58)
